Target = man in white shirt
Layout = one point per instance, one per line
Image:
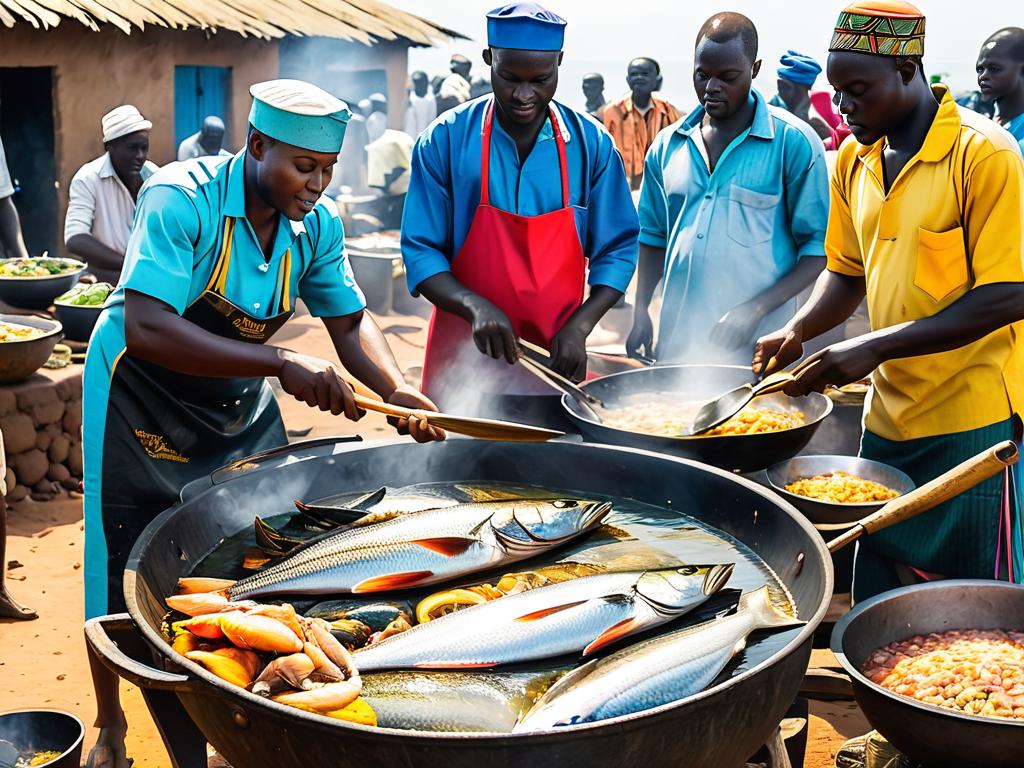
(101, 202)
(422, 107)
(208, 141)
(456, 88)
(12, 245)
(388, 155)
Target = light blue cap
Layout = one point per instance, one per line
(300, 114)
(525, 26)
(798, 68)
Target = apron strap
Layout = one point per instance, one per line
(218, 279)
(485, 157)
(284, 279)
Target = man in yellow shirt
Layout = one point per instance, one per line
(926, 210)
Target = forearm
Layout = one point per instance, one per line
(448, 294)
(802, 275)
(11, 242)
(835, 297)
(365, 353)
(155, 332)
(976, 314)
(650, 267)
(601, 299)
(95, 253)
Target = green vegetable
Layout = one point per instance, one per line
(84, 295)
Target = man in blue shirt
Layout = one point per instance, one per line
(1001, 78)
(508, 195)
(175, 379)
(733, 211)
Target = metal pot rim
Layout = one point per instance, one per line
(844, 623)
(161, 646)
(23, 320)
(70, 715)
(40, 278)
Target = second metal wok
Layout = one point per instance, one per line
(745, 453)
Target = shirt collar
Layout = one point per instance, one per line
(107, 168)
(234, 205)
(942, 134)
(762, 126)
(545, 131)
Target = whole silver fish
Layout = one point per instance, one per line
(656, 671)
(453, 702)
(583, 614)
(425, 547)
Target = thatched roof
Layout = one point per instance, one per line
(365, 21)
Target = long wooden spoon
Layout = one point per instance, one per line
(943, 488)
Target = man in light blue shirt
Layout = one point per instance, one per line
(733, 211)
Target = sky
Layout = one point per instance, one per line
(602, 37)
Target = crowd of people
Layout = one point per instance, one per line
(883, 191)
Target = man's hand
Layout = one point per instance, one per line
(737, 326)
(640, 341)
(785, 345)
(837, 365)
(569, 352)
(318, 384)
(420, 430)
(492, 330)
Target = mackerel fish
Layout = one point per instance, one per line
(425, 547)
(654, 672)
(583, 614)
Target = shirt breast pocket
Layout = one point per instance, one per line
(751, 215)
(941, 262)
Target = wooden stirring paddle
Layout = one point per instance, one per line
(485, 429)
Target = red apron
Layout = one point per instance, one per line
(530, 266)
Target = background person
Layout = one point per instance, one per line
(12, 244)
(103, 193)
(422, 107)
(593, 91)
(1001, 78)
(208, 141)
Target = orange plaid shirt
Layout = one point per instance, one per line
(634, 132)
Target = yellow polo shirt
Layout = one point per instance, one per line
(951, 221)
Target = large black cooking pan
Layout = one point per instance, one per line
(746, 453)
(718, 728)
(930, 735)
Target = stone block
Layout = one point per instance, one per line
(19, 433)
(30, 466)
(43, 393)
(44, 486)
(58, 473)
(48, 413)
(74, 460)
(17, 494)
(59, 448)
(43, 440)
(8, 401)
(72, 423)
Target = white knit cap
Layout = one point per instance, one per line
(120, 121)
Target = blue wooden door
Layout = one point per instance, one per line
(198, 93)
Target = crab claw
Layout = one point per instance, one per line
(325, 698)
(319, 631)
(282, 674)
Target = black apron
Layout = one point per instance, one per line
(165, 429)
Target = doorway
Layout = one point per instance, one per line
(27, 131)
(199, 92)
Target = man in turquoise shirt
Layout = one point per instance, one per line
(733, 211)
(175, 379)
(1000, 70)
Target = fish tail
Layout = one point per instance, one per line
(190, 585)
(765, 613)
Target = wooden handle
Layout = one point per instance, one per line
(776, 382)
(372, 404)
(947, 485)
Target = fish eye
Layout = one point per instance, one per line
(565, 504)
(687, 570)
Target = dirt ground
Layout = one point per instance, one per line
(43, 662)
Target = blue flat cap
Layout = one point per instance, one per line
(798, 68)
(525, 26)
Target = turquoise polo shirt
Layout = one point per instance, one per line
(175, 241)
(731, 234)
(1016, 127)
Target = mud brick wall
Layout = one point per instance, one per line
(41, 421)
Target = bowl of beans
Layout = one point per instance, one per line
(938, 669)
(832, 490)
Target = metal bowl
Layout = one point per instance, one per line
(78, 319)
(45, 730)
(20, 359)
(930, 735)
(829, 512)
(38, 292)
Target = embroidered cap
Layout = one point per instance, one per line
(880, 27)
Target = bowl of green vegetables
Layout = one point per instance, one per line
(79, 309)
(34, 282)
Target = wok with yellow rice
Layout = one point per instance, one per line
(25, 344)
(651, 408)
